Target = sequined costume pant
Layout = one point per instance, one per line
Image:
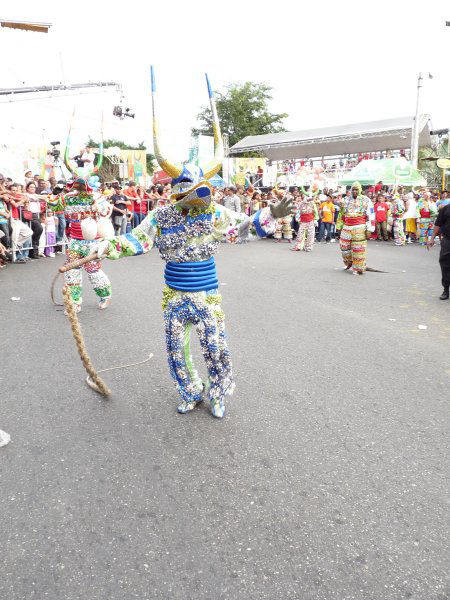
(283, 228)
(182, 311)
(75, 250)
(425, 227)
(397, 232)
(305, 237)
(353, 245)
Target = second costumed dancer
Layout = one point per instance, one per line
(187, 233)
(356, 221)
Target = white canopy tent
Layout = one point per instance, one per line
(375, 136)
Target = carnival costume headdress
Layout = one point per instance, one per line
(357, 186)
(79, 183)
(190, 185)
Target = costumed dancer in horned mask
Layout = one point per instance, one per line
(187, 233)
(356, 221)
(89, 222)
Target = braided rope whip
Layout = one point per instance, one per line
(97, 382)
(93, 378)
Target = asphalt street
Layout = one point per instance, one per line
(326, 480)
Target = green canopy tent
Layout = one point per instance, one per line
(390, 171)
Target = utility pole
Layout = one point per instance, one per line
(416, 125)
(226, 159)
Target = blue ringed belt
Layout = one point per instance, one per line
(192, 276)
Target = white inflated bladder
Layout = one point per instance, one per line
(105, 228)
(89, 228)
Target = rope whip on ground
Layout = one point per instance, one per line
(93, 378)
(375, 270)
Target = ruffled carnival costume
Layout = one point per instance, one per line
(88, 220)
(425, 212)
(356, 217)
(187, 234)
(283, 229)
(397, 211)
(306, 215)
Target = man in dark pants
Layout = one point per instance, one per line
(442, 227)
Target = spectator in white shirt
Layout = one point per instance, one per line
(231, 200)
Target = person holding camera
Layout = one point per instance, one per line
(84, 158)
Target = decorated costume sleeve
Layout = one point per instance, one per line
(340, 219)
(139, 241)
(103, 207)
(57, 204)
(263, 223)
(419, 205)
(316, 212)
(236, 227)
(401, 208)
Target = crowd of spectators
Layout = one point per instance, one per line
(31, 229)
(329, 202)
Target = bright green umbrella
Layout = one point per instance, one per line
(390, 171)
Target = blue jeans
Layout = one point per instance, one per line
(60, 228)
(23, 253)
(324, 227)
(138, 218)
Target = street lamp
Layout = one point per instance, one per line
(416, 126)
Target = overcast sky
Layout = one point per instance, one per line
(329, 62)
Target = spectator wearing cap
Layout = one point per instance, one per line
(119, 213)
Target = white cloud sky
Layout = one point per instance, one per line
(329, 62)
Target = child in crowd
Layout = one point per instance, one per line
(50, 235)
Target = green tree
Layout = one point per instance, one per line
(428, 157)
(110, 171)
(243, 110)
